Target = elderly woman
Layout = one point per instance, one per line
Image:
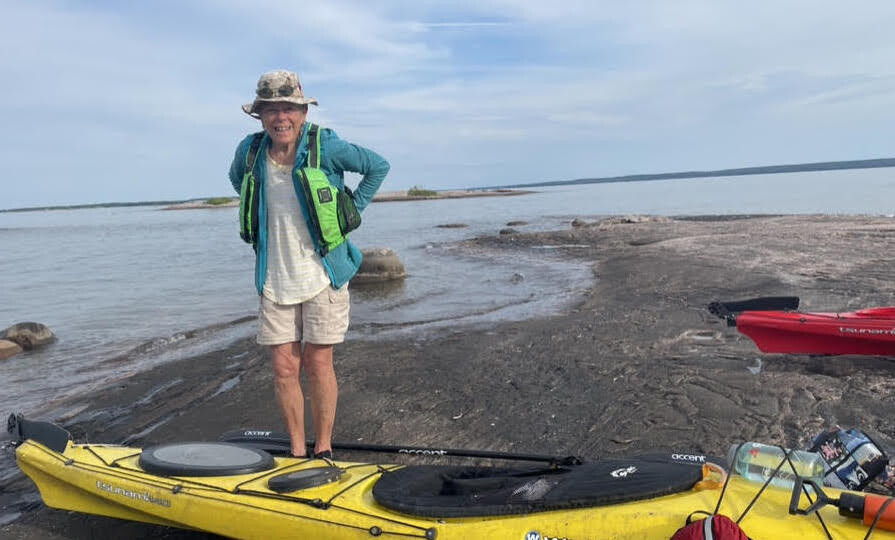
(303, 262)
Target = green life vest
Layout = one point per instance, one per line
(332, 211)
(248, 195)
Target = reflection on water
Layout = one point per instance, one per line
(371, 292)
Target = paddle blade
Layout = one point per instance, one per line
(728, 310)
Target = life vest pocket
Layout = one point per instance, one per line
(324, 195)
(323, 207)
(248, 209)
(249, 195)
(349, 217)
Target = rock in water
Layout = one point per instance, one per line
(28, 335)
(8, 349)
(379, 265)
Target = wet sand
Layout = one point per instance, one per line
(637, 365)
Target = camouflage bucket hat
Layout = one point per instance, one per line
(273, 86)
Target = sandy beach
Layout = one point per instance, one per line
(637, 364)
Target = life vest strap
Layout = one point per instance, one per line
(314, 146)
(252, 154)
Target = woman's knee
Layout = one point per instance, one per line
(318, 358)
(286, 363)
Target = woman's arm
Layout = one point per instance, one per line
(237, 166)
(345, 156)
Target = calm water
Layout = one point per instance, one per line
(159, 285)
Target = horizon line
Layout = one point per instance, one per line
(871, 163)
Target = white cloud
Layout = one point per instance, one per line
(603, 87)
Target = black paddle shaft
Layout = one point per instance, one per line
(279, 443)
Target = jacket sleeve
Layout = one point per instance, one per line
(237, 166)
(345, 156)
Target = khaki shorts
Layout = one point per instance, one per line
(322, 320)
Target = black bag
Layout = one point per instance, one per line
(349, 217)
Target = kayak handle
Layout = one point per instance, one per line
(822, 498)
(875, 510)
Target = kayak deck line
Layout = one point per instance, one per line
(185, 482)
(207, 491)
(108, 480)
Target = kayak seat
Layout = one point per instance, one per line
(453, 491)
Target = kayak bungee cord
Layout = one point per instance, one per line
(180, 484)
(799, 487)
(164, 484)
(786, 459)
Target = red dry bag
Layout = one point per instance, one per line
(716, 527)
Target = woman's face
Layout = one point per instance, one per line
(282, 121)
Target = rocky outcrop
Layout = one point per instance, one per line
(218, 202)
(379, 265)
(28, 335)
(405, 195)
(8, 349)
(578, 223)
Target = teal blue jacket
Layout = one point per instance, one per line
(336, 157)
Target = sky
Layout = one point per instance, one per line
(108, 101)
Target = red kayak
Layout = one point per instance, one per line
(868, 331)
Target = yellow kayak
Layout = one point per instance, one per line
(284, 497)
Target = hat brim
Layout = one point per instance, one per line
(251, 109)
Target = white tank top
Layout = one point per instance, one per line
(295, 272)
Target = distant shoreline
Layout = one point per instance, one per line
(202, 204)
(388, 196)
(498, 190)
(743, 171)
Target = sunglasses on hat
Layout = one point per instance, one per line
(283, 91)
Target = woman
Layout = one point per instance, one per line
(300, 277)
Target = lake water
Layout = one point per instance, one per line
(160, 285)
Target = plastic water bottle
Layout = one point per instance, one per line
(756, 462)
